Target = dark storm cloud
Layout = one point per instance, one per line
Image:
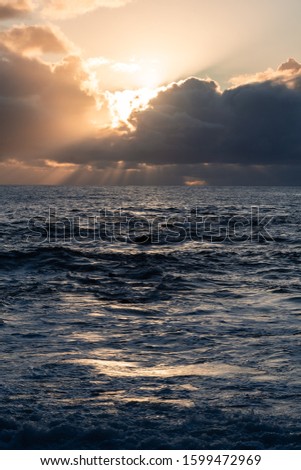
(193, 122)
(253, 124)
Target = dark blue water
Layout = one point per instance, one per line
(137, 318)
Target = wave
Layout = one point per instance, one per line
(182, 428)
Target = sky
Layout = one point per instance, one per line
(167, 92)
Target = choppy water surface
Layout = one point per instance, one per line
(171, 342)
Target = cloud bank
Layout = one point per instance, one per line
(249, 133)
(191, 132)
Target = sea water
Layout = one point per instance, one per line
(150, 318)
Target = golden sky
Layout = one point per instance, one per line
(149, 91)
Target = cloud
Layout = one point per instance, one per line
(55, 9)
(62, 9)
(251, 131)
(42, 106)
(36, 39)
(12, 9)
(286, 72)
(193, 122)
(191, 132)
(290, 65)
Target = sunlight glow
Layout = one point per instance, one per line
(137, 369)
(192, 182)
(65, 166)
(123, 103)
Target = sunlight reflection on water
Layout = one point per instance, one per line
(135, 369)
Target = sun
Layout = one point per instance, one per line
(134, 83)
(123, 103)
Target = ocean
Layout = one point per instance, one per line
(150, 317)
